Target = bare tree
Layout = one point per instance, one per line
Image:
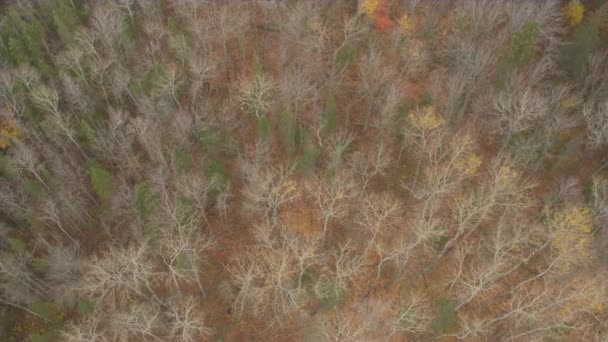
(352, 30)
(221, 201)
(47, 98)
(415, 55)
(119, 274)
(269, 190)
(86, 330)
(65, 268)
(229, 26)
(25, 158)
(187, 321)
(128, 5)
(597, 123)
(108, 24)
(254, 95)
(85, 39)
(196, 187)
(422, 232)
(244, 273)
(19, 285)
(13, 200)
(294, 32)
(330, 194)
(374, 76)
(533, 311)
(517, 111)
(51, 213)
(142, 321)
(146, 132)
(202, 69)
(504, 191)
(379, 212)
(425, 127)
(182, 248)
(600, 200)
(343, 326)
(279, 293)
(167, 87)
(346, 266)
(444, 163)
(412, 315)
(297, 87)
(270, 274)
(140, 82)
(483, 275)
(391, 100)
(306, 253)
(339, 145)
(75, 95)
(367, 165)
(267, 283)
(72, 58)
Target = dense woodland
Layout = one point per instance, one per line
(380, 170)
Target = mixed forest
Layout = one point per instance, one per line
(372, 170)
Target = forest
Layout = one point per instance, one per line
(348, 170)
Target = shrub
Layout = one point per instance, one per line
(101, 180)
(34, 188)
(574, 56)
(338, 150)
(208, 139)
(149, 81)
(289, 129)
(328, 294)
(215, 168)
(49, 310)
(44, 336)
(65, 20)
(40, 265)
(17, 245)
(346, 55)
(85, 306)
(521, 50)
(330, 116)
(426, 100)
(264, 127)
(445, 320)
(310, 157)
(182, 160)
(23, 41)
(146, 199)
(522, 47)
(256, 65)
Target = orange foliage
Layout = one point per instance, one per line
(378, 11)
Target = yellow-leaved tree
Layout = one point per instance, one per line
(404, 22)
(575, 11)
(573, 235)
(8, 132)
